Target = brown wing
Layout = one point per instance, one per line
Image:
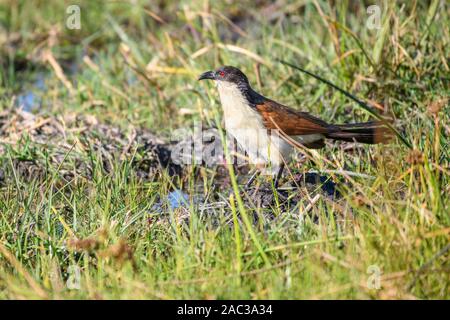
(291, 122)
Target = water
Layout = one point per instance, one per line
(177, 199)
(33, 90)
(29, 98)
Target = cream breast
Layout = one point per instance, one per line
(246, 126)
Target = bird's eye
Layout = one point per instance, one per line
(222, 74)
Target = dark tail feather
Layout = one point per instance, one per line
(367, 132)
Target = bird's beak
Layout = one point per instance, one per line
(207, 75)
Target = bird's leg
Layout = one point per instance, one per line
(252, 178)
(278, 176)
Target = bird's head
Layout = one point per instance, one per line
(226, 74)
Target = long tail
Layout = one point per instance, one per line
(366, 132)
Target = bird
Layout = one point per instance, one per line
(268, 131)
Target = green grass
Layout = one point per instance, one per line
(142, 71)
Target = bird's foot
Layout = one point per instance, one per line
(252, 179)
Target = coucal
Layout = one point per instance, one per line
(268, 130)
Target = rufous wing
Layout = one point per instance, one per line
(291, 122)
